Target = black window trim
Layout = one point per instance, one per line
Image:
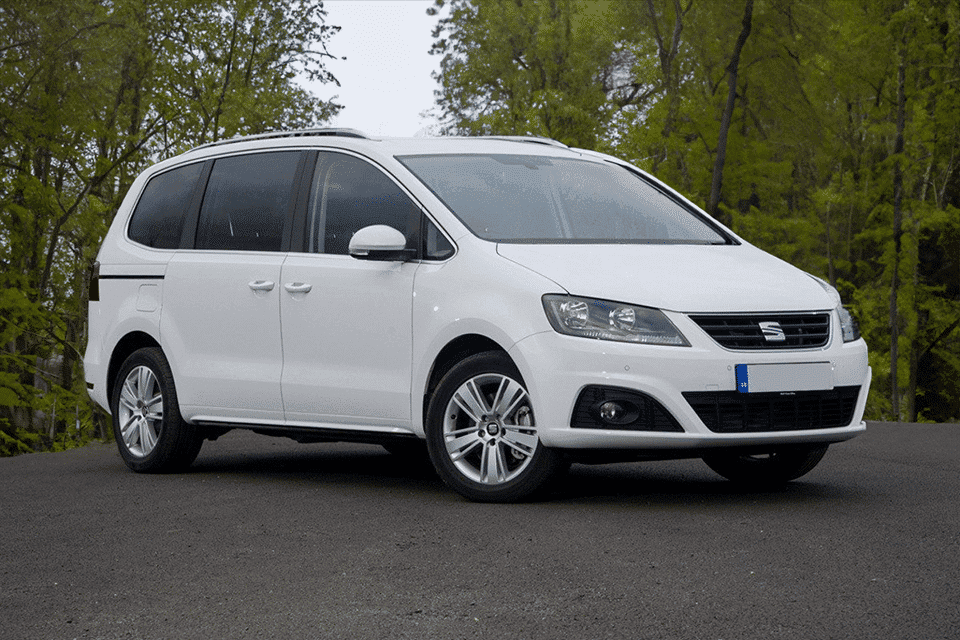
(297, 236)
(192, 219)
(301, 235)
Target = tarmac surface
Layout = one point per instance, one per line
(266, 538)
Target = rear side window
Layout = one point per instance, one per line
(247, 202)
(158, 219)
(349, 194)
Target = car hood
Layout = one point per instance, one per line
(685, 278)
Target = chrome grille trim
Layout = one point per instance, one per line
(743, 331)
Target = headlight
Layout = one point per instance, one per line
(606, 320)
(848, 325)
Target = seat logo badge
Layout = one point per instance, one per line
(772, 331)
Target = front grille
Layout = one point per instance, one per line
(800, 330)
(647, 414)
(734, 412)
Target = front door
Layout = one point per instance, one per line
(347, 322)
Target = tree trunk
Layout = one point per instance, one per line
(831, 273)
(920, 316)
(732, 71)
(897, 236)
(667, 53)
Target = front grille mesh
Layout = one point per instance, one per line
(734, 412)
(800, 330)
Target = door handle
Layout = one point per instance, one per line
(298, 287)
(261, 285)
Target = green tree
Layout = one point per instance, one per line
(896, 155)
(523, 67)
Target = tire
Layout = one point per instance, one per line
(151, 435)
(776, 467)
(481, 433)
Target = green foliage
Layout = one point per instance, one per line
(91, 93)
(811, 161)
(12, 445)
(515, 68)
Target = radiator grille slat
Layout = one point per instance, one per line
(800, 330)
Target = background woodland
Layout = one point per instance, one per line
(824, 131)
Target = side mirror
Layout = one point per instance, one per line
(380, 242)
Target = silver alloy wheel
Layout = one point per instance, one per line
(488, 429)
(141, 411)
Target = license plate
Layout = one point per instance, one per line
(766, 378)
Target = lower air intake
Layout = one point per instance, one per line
(734, 412)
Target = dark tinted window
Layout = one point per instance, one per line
(435, 244)
(247, 202)
(158, 219)
(349, 194)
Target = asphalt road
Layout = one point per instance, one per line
(265, 538)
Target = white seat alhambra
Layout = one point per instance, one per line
(516, 304)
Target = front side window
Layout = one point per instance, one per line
(247, 202)
(349, 194)
(158, 219)
(435, 244)
(520, 198)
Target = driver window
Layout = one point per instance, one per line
(349, 194)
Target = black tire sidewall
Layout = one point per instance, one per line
(546, 463)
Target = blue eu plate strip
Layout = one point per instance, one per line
(743, 380)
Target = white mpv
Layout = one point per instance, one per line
(516, 304)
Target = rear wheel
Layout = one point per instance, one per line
(482, 435)
(151, 435)
(775, 467)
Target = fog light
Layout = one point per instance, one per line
(599, 407)
(612, 412)
(616, 412)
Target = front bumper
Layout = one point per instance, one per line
(556, 368)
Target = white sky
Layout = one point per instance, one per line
(385, 82)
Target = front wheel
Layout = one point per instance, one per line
(151, 435)
(776, 467)
(482, 434)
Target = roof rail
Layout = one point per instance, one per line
(534, 139)
(296, 133)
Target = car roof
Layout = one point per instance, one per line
(351, 139)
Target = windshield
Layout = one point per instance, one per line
(520, 198)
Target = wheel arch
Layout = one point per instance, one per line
(127, 345)
(453, 352)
